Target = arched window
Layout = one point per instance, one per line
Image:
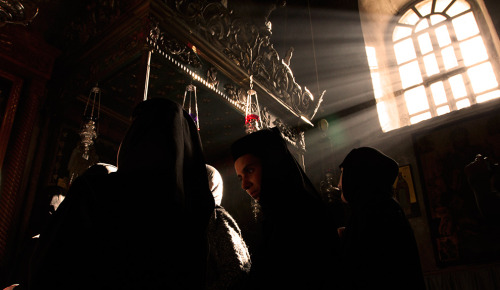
(439, 59)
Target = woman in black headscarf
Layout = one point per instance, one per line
(378, 242)
(142, 227)
(296, 248)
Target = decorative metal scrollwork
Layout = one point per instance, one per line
(248, 45)
(17, 12)
(182, 52)
(292, 135)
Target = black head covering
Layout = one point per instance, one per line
(282, 176)
(164, 138)
(368, 173)
(262, 143)
(295, 227)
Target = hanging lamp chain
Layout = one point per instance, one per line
(251, 91)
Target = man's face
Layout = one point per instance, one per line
(249, 170)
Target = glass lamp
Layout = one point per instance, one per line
(190, 103)
(252, 111)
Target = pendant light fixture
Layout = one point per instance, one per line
(253, 121)
(190, 103)
(88, 132)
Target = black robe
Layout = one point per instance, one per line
(142, 227)
(297, 247)
(379, 246)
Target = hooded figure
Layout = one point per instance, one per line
(229, 260)
(296, 251)
(141, 227)
(215, 184)
(378, 241)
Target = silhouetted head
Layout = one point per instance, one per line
(367, 174)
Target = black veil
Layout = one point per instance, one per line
(282, 175)
(297, 239)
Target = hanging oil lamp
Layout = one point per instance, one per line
(190, 103)
(88, 132)
(252, 111)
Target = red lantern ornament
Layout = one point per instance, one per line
(253, 121)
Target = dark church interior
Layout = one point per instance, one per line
(331, 75)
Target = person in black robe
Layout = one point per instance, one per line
(297, 246)
(378, 242)
(141, 227)
(483, 176)
(44, 207)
